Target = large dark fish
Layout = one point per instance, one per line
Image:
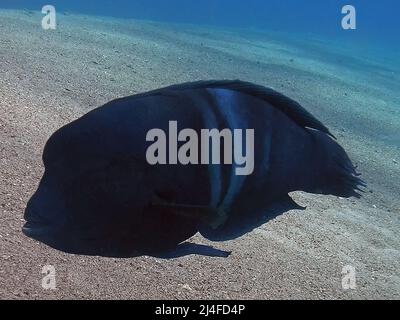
(99, 195)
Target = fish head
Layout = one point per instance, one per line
(93, 188)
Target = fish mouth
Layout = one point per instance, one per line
(35, 226)
(34, 229)
(46, 233)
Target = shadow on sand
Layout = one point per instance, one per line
(235, 228)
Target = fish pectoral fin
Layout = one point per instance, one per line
(208, 215)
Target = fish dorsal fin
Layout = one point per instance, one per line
(289, 107)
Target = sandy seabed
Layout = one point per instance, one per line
(49, 78)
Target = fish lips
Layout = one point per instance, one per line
(38, 228)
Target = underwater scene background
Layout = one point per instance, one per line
(102, 50)
(377, 20)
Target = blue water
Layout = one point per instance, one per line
(378, 21)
